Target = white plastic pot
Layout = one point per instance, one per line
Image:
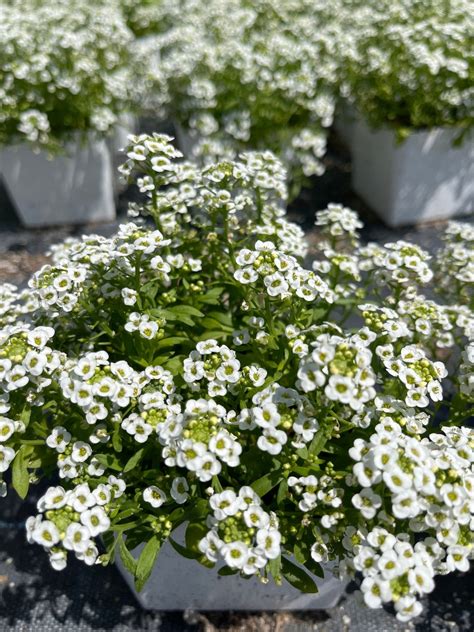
(423, 179)
(72, 188)
(177, 583)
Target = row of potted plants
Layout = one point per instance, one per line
(214, 385)
(269, 78)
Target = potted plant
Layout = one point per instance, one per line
(408, 70)
(64, 80)
(261, 80)
(195, 386)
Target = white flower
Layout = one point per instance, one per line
(77, 538)
(95, 520)
(46, 534)
(6, 457)
(154, 496)
(269, 541)
(235, 554)
(179, 490)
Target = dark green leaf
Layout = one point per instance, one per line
(134, 460)
(185, 309)
(110, 461)
(195, 532)
(282, 491)
(171, 341)
(184, 551)
(264, 484)
(20, 476)
(297, 577)
(274, 567)
(127, 558)
(225, 571)
(146, 562)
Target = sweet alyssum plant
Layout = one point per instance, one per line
(239, 76)
(409, 64)
(65, 70)
(192, 369)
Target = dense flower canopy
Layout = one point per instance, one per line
(65, 68)
(264, 79)
(193, 369)
(409, 64)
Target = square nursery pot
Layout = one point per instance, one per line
(177, 583)
(423, 179)
(73, 188)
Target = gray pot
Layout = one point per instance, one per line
(74, 188)
(177, 583)
(423, 179)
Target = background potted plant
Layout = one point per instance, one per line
(408, 69)
(263, 79)
(212, 385)
(64, 80)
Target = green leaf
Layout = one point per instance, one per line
(297, 577)
(274, 567)
(25, 415)
(314, 567)
(282, 491)
(20, 476)
(146, 562)
(134, 460)
(195, 532)
(225, 571)
(211, 297)
(184, 551)
(224, 318)
(185, 309)
(117, 439)
(171, 341)
(264, 484)
(300, 552)
(127, 558)
(174, 364)
(318, 442)
(110, 461)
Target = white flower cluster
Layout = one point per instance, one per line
(199, 440)
(64, 70)
(70, 519)
(338, 221)
(455, 269)
(281, 413)
(400, 264)
(429, 483)
(316, 492)
(466, 373)
(216, 363)
(407, 64)
(280, 274)
(420, 376)
(243, 534)
(342, 366)
(265, 78)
